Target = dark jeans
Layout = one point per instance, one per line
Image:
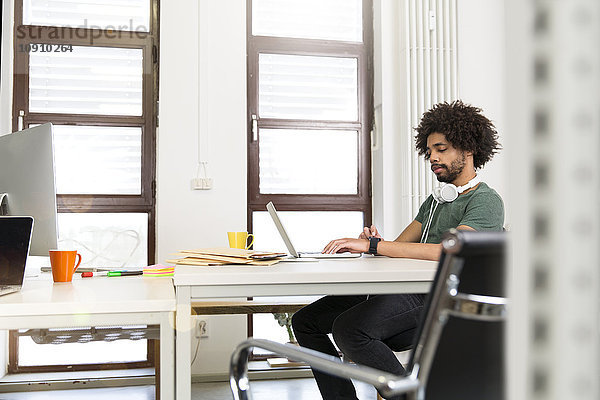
(362, 327)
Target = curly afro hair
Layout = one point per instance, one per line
(464, 126)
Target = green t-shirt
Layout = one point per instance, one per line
(481, 209)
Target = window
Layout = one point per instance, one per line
(309, 110)
(91, 68)
(309, 120)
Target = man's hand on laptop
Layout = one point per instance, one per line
(347, 245)
(368, 232)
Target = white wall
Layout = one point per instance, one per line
(481, 75)
(210, 102)
(389, 86)
(187, 218)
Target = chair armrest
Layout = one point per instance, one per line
(385, 382)
(477, 307)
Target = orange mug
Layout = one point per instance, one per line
(63, 264)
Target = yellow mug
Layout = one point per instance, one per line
(237, 240)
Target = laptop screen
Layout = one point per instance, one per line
(15, 235)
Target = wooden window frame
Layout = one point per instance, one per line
(145, 202)
(278, 45)
(363, 52)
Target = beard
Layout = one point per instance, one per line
(452, 172)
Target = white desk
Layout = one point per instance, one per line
(367, 275)
(97, 301)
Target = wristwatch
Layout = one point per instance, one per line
(373, 242)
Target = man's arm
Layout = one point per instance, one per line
(412, 233)
(406, 245)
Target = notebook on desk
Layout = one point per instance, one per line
(290, 246)
(15, 238)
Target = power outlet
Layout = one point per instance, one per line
(201, 184)
(201, 328)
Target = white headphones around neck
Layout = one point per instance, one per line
(447, 192)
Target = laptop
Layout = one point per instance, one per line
(15, 237)
(290, 246)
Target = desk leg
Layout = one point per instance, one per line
(167, 356)
(183, 348)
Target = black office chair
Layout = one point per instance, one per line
(458, 351)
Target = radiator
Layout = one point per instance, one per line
(429, 32)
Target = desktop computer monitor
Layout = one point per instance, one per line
(27, 179)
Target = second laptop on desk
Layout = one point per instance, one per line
(290, 246)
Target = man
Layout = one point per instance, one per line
(457, 140)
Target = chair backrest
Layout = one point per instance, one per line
(468, 360)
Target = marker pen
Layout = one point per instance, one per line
(124, 273)
(111, 273)
(89, 274)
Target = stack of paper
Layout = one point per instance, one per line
(226, 255)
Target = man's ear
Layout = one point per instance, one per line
(469, 156)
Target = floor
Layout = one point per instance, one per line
(281, 389)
